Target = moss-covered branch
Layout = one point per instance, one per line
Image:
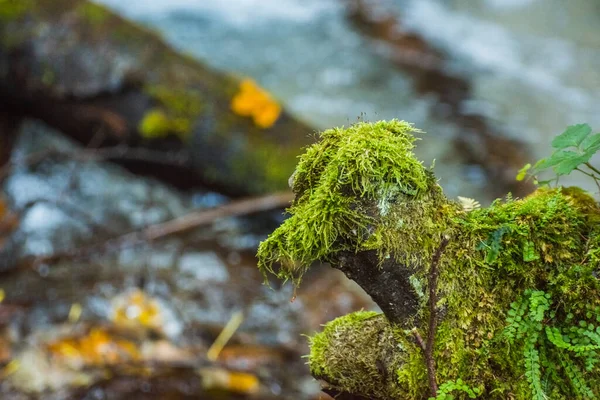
(517, 299)
(360, 193)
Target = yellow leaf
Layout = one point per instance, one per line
(267, 116)
(253, 101)
(237, 382)
(75, 312)
(10, 368)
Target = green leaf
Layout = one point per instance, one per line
(556, 158)
(570, 163)
(529, 253)
(523, 172)
(572, 136)
(543, 164)
(591, 143)
(563, 161)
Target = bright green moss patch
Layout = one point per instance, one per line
(176, 114)
(353, 192)
(358, 353)
(496, 255)
(155, 124)
(12, 9)
(93, 13)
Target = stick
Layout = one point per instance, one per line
(433, 319)
(178, 225)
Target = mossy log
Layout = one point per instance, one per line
(88, 72)
(515, 299)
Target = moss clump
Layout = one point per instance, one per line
(155, 124)
(539, 243)
(358, 353)
(546, 243)
(13, 9)
(93, 13)
(518, 292)
(356, 189)
(178, 111)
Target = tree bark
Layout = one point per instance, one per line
(387, 283)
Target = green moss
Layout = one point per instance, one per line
(362, 188)
(352, 193)
(358, 353)
(495, 255)
(155, 124)
(179, 109)
(93, 13)
(268, 163)
(14, 9)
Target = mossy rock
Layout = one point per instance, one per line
(358, 353)
(518, 293)
(129, 82)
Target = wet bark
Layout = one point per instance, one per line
(388, 283)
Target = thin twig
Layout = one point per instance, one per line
(122, 152)
(433, 318)
(590, 166)
(178, 225)
(594, 177)
(203, 217)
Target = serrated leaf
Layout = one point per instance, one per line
(556, 158)
(468, 204)
(570, 162)
(591, 143)
(563, 162)
(572, 136)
